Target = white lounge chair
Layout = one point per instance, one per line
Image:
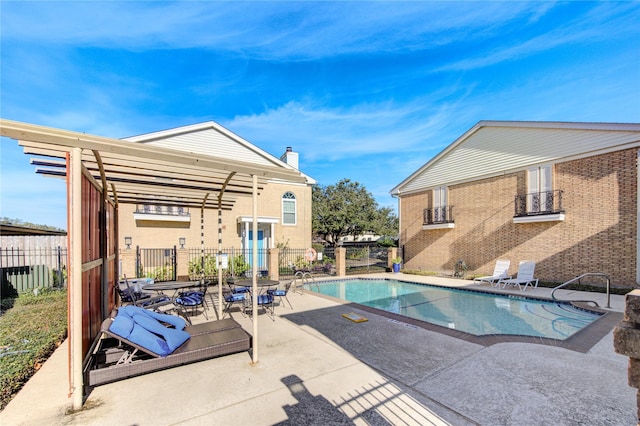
(524, 277)
(501, 271)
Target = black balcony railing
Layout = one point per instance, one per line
(162, 210)
(435, 215)
(539, 203)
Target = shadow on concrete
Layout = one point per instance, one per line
(377, 404)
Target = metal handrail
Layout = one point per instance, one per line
(304, 276)
(591, 274)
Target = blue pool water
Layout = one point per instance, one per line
(473, 312)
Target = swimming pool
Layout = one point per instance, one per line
(470, 311)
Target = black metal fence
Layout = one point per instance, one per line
(539, 203)
(23, 270)
(366, 259)
(203, 262)
(319, 261)
(443, 214)
(159, 263)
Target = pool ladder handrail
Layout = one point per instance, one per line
(578, 278)
(305, 276)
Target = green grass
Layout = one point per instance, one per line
(31, 328)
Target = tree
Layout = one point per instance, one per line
(347, 208)
(386, 225)
(20, 222)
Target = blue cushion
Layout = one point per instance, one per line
(128, 329)
(122, 325)
(265, 299)
(172, 337)
(234, 297)
(277, 292)
(174, 320)
(141, 327)
(189, 301)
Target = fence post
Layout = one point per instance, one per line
(138, 267)
(391, 253)
(341, 262)
(274, 264)
(59, 267)
(175, 262)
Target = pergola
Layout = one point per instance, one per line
(102, 173)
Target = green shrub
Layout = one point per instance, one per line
(29, 333)
(196, 267)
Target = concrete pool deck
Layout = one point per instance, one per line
(316, 367)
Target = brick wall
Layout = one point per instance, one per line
(626, 340)
(597, 235)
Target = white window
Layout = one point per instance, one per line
(440, 195)
(539, 189)
(289, 209)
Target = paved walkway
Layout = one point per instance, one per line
(316, 367)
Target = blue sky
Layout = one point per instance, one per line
(365, 91)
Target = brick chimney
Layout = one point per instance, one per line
(290, 157)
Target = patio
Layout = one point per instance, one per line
(316, 367)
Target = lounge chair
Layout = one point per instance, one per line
(500, 272)
(524, 277)
(137, 341)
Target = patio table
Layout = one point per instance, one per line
(162, 286)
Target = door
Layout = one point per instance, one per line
(262, 263)
(539, 195)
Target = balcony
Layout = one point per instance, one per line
(162, 213)
(438, 218)
(545, 206)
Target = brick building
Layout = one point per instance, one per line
(564, 195)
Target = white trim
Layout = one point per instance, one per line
(161, 217)
(557, 217)
(294, 201)
(261, 219)
(448, 225)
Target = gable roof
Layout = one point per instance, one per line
(493, 148)
(210, 138)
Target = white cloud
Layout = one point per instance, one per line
(270, 30)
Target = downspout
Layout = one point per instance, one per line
(637, 218)
(75, 278)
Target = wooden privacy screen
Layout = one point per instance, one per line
(98, 260)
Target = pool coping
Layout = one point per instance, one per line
(581, 341)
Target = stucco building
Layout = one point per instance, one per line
(285, 206)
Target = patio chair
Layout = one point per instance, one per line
(200, 290)
(500, 271)
(194, 298)
(136, 341)
(524, 277)
(281, 292)
(265, 301)
(232, 298)
(145, 300)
